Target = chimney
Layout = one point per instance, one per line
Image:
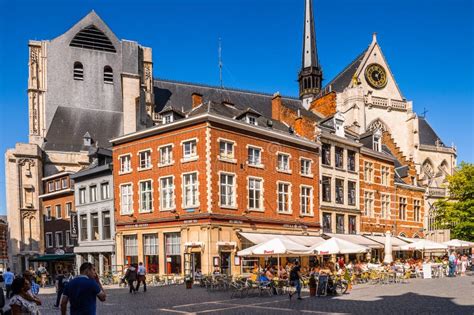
(299, 124)
(276, 106)
(197, 99)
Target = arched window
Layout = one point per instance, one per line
(108, 75)
(444, 166)
(78, 71)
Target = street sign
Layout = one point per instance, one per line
(74, 226)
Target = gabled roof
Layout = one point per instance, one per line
(344, 78)
(69, 125)
(179, 95)
(426, 134)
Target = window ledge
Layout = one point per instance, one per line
(166, 164)
(284, 171)
(352, 172)
(145, 168)
(340, 168)
(190, 207)
(189, 159)
(261, 166)
(307, 175)
(310, 215)
(327, 166)
(173, 209)
(125, 172)
(145, 211)
(228, 160)
(255, 210)
(286, 213)
(127, 213)
(229, 207)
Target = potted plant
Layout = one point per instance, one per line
(312, 285)
(188, 280)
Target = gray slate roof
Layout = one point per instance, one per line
(178, 95)
(70, 124)
(427, 135)
(344, 78)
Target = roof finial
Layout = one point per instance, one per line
(374, 37)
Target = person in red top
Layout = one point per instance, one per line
(341, 262)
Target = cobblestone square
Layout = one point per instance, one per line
(419, 296)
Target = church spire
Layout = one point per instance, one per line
(310, 76)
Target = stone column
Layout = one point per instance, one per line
(101, 264)
(90, 258)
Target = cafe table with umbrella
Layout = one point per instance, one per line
(334, 246)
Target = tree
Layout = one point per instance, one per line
(456, 212)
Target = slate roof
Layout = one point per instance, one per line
(426, 134)
(344, 78)
(69, 125)
(178, 95)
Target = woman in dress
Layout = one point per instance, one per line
(463, 265)
(22, 303)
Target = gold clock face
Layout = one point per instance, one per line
(376, 76)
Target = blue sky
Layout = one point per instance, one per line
(428, 44)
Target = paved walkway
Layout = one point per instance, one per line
(430, 296)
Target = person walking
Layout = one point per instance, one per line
(8, 276)
(82, 292)
(295, 276)
(59, 284)
(463, 265)
(141, 276)
(452, 264)
(131, 277)
(21, 302)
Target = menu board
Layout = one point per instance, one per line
(426, 271)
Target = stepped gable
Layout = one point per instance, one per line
(404, 167)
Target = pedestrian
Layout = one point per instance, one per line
(21, 302)
(82, 292)
(141, 276)
(43, 274)
(452, 264)
(59, 284)
(8, 276)
(463, 265)
(295, 276)
(131, 277)
(34, 290)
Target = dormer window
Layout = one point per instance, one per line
(168, 118)
(377, 145)
(251, 119)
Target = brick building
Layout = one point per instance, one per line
(390, 197)
(188, 190)
(57, 205)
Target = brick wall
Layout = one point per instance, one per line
(325, 105)
(56, 224)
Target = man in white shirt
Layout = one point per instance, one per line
(141, 276)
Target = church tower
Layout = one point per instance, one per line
(311, 74)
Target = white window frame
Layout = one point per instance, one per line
(251, 119)
(93, 193)
(67, 212)
(288, 164)
(50, 186)
(416, 206)
(233, 188)
(91, 226)
(369, 200)
(82, 195)
(168, 118)
(303, 205)
(56, 239)
(306, 172)
(404, 217)
(348, 192)
(377, 145)
(162, 192)
(385, 211)
(64, 183)
(343, 191)
(368, 172)
(57, 184)
(146, 161)
(192, 156)
(385, 175)
(289, 210)
(60, 216)
(140, 192)
(194, 184)
(69, 242)
(50, 234)
(48, 213)
(261, 207)
(130, 195)
(227, 156)
(107, 194)
(164, 149)
(248, 161)
(125, 168)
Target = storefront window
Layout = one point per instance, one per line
(130, 249)
(150, 251)
(173, 252)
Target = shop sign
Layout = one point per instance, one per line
(235, 222)
(59, 251)
(190, 221)
(73, 226)
(295, 226)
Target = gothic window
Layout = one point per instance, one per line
(377, 125)
(108, 75)
(428, 168)
(78, 71)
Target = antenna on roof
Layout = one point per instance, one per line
(220, 62)
(423, 114)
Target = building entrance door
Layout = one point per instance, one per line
(225, 263)
(192, 263)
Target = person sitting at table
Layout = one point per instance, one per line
(269, 273)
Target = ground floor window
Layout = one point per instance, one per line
(130, 244)
(150, 251)
(173, 253)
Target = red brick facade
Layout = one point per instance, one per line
(325, 105)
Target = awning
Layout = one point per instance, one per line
(194, 244)
(357, 239)
(258, 238)
(396, 242)
(51, 257)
